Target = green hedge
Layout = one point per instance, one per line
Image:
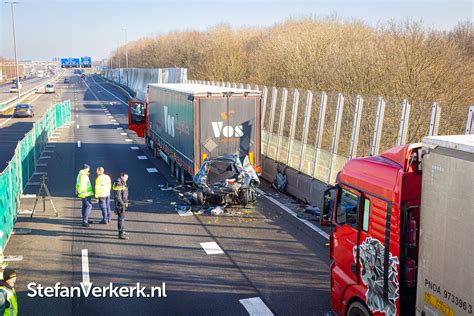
(22, 165)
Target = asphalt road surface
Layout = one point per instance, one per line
(13, 130)
(267, 261)
(25, 86)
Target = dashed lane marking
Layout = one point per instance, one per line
(142, 157)
(128, 140)
(85, 266)
(79, 143)
(211, 248)
(255, 306)
(134, 148)
(123, 134)
(45, 157)
(152, 170)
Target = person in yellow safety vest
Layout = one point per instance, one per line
(84, 191)
(8, 300)
(103, 185)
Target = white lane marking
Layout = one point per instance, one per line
(48, 151)
(6, 121)
(123, 134)
(23, 212)
(116, 124)
(50, 146)
(77, 126)
(114, 120)
(152, 170)
(134, 148)
(41, 165)
(77, 115)
(28, 196)
(39, 173)
(211, 248)
(120, 128)
(33, 183)
(142, 157)
(45, 157)
(125, 103)
(85, 267)
(256, 307)
(306, 222)
(78, 143)
(128, 140)
(77, 109)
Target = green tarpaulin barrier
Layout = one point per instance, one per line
(23, 163)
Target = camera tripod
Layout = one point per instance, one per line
(45, 195)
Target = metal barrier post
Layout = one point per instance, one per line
(336, 132)
(403, 131)
(356, 127)
(294, 115)
(374, 150)
(319, 129)
(263, 102)
(307, 118)
(284, 99)
(272, 116)
(470, 121)
(434, 122)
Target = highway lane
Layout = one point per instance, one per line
(13, 129)
(26, 85)
(266, 254)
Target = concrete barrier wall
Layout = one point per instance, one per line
(138, 79)
(301, 186)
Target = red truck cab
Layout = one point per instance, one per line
(374, 242)
(137, 117)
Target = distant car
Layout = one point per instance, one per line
(66, 80)
(13, 89)
(23, 110)
(49, 88)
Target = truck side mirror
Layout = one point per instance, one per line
(329, 197)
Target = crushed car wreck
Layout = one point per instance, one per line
(225, 180)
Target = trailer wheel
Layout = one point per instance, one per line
(358, 309)
(147, 142)
(244, 196)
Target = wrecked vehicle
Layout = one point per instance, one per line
(225, 180)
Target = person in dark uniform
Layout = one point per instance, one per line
(121, 202)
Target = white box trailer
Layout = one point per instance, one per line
(446, 253)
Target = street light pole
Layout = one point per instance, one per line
(14, 47)
(126, 47)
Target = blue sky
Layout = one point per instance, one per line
(47, 29)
